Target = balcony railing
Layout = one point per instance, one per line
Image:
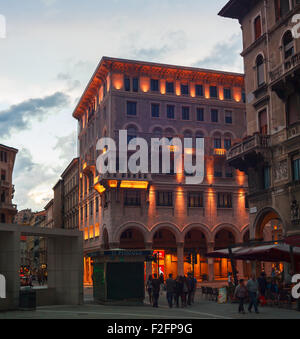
(288, 65)
(257, 141)
(7, 206)
(4, 184)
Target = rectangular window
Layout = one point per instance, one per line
(170, 87)
(185, 113)
(195, 199)
(135, 84)
(200, 114)
(3, 175)
(131, 108)
(170, 111)
(257, 27)
(184, 89)
(214, 115)
(267, 178)
(227, 94)
(228, 117)
(164, 199)
(91, 207)
(199, 90)
(217, 143)
(154, 85)
(228, 172)
(127, 84)
(213, 90)
(132, 198)
(218, 170)
(282, 7)
(97, 204)
(296, 170)
(224, 200)
(155, 110)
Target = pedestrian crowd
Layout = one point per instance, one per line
(180, 291)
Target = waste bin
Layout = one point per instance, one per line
(27, 300)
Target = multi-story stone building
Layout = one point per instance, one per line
(270, 154)
(7, 161)
(160, 211)
(70, 179)
(49, 222)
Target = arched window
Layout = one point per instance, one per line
(288, 45)
(157, 132)
(131, 133)
(260, 70)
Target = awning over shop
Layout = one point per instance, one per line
(293, 240)
(265, 253)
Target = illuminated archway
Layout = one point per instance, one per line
(195, 248)
(132, 238)
(165, 247)
(269, 226)
(223, 239)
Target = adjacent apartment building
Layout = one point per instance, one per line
(160, 211)
(7, 161)
(270, 154)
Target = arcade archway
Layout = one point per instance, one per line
(195, 248)
(132, 239)
(223, 239)
(165, 246)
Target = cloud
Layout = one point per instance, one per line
(224, 55)
(18, 117)
(66, 147)
(33, 182)
(168, 43)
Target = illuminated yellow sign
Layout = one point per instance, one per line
(134, 184)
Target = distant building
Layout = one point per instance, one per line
(70, 179)
(7, 160)
(49, 223)
(160, 211)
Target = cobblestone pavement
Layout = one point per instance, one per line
(202, 309)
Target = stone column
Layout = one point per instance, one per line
(211, 271)
(180, 259)
(148, 246)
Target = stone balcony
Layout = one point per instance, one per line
(290, 64)
(4, 184)
(7, 206)
(249, 152)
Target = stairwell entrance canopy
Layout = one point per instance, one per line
(265, 253)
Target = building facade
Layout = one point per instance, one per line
(270, 154)
(70, 179)
(7, 161)
(160, 211)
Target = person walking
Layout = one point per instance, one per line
(191, 287)
(262, 282)
(185, 291)
(178, 290)
(150, 288)
(241, 293)
(170, 287)
(252, 287)
(155, 290)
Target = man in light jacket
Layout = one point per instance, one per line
(252, 287)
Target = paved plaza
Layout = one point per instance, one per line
(202, 309)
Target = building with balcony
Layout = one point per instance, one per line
(160, 211)
(270, 154)
(7, 161)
